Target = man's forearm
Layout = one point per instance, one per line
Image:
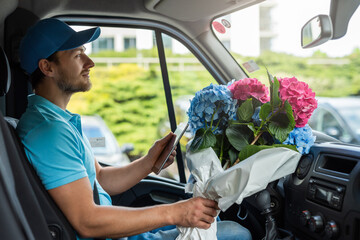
(75, 200)
(116, 180)
(115, 222)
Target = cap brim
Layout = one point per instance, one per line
(80, 38)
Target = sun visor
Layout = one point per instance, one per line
(200, 9)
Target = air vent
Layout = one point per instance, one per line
(336, 165)
(304, 166)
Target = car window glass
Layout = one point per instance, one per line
(352, 116)
(127, 92)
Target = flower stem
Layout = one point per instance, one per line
(236, 162)
(256, 138)
(221, 148)
(212, 117)
(217, 124)
(265, 122)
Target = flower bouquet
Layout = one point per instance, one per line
(246, 136)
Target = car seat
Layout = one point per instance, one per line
(42, 219)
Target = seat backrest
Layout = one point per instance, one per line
(56, 222)
(13, 222)
(45, 219)
(24, 191)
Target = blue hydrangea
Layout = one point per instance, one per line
(301, 137)
(208, 100)
(256, 116)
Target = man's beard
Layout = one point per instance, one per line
(70, 88)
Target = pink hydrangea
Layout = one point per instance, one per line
(249, 87)
(301, 98)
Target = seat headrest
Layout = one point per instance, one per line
(12, 121)
(5, 74)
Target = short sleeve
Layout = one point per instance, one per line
(56, 153)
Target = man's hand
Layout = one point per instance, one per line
(195, 212)
(155, 151)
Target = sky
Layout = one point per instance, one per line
(297, 14)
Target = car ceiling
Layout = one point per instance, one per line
(193, 20)
(178, 13)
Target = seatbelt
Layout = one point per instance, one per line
(97, 202)
(96, 194)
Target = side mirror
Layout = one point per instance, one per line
(316, 31)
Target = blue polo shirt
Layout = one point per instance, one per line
(56, 146)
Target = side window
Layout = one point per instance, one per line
(126, 110)
(127, 96)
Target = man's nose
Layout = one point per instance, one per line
(89, 62)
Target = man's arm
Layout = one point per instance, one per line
(75, 199)
(116, 180)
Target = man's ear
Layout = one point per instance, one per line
(45, 67)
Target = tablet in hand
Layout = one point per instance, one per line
(169, 148)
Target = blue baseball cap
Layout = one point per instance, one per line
(49, 36)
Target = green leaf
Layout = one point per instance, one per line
(252, 149)
(282, 123)
(275, 100)
(203, 139)
(238, 136)
(256, 103)
(278, 131)
(271, 78)
(245, 111)
(233, 155)
(289, 114)
(251, 126)
(274, 96)
(265, 111)
(221, 146)
(292, 147)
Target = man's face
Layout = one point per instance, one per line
(72, 70)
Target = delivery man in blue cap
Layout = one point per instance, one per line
(53, 55)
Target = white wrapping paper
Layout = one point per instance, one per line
(234, 184)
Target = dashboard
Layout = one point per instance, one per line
(323, 195)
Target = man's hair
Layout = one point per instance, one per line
(37, 76)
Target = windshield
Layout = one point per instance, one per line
(269, 34)
(352, 118)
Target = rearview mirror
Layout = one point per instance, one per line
(316, 31)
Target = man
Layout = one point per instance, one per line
(53, 54)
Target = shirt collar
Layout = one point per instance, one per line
(34, 99)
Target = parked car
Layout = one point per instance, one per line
(319, 201)
(181, 106)
(339, 118)
(103, 142)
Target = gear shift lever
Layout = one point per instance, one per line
(263, 202)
